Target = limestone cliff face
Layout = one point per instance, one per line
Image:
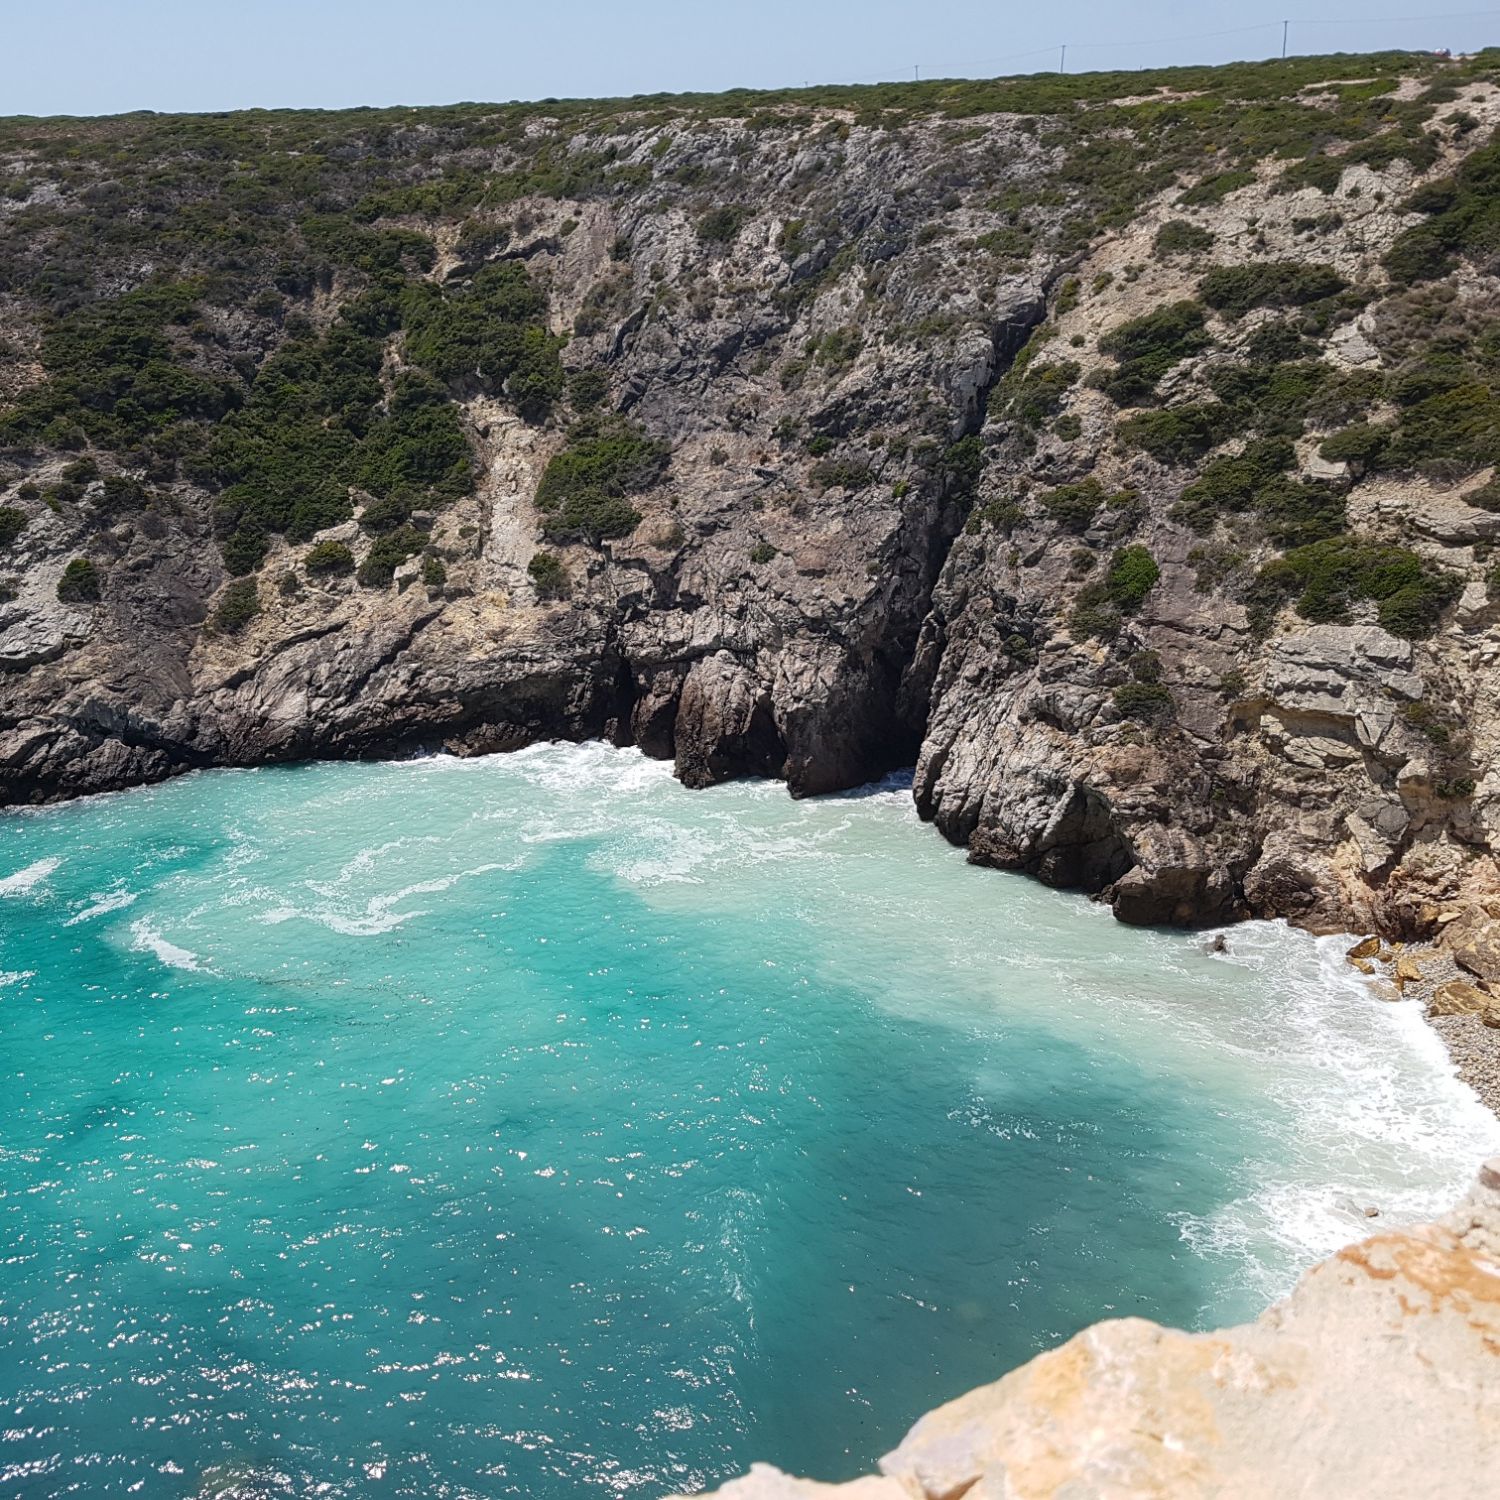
(1378, 1377)
(911, 513)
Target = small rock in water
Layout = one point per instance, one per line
(1367, 948)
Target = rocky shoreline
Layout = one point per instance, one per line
(1457, 983)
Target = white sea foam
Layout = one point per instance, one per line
(101, 903)
(9, 977)
(379, 913)
(148, 940)
(1374, 1115)
(23, 882)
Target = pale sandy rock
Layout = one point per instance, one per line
(1474, 939)
(1378, 1378)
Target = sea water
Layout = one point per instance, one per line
(532, 1126)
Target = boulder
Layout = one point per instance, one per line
(1460, 998)
(1474, 940)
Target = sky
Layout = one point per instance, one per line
(90, 57)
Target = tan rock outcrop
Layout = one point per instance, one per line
(1379, 1377)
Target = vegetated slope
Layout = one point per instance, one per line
(1120, 444)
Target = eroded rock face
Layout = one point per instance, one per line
(1378, 1377)
(854, 563)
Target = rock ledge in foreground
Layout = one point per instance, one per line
(1378, 1377)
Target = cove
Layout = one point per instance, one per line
(530, 1125)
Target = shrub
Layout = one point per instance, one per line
(1149, 346)
(721, 226)
(1179, 237)
(329, 558)
(1328, 577)
(79, 583)
(588, 389)
(1321, 172)
(962, 465)
(1178, 434)
(1230, 484)
(762, 552)
(386, 554)
(385, 514)
(12, 523)
(583, 491)
(1074, 506)
(1092, 615)
(1361, 444)
(1149, 702)
(850, 474)
(1296, 512)
(420, 448)
(1215, 189)
(489, 333)
(548, 575)
(1133, 573)
(120, 494)
(1270, 398)
(1486, 497)
(1235, 290)
(1465, 221)
(1034, 393)
(434, 572)
(237, 606)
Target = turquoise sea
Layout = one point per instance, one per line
(532, 1126)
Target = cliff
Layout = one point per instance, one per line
(1379, 1377)
(1118, 449)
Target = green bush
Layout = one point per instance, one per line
(1235, 290)
(583, 493)
(12, 523)
(1229, 484)
(762, 552)
(1465, 221)
(1486, 497)
(115, 374)
(1179, 237)
(329, 558)
(1178, 434)
(548, 575)
(1321, 172)
(1328, 577)
(840, 473)
(1297, 512)
(1362, 444)
(386, 554)
(1216, 189)
(1270, 398)
(1034, 393)
(588, 389)
(434, 571)
(721, 226)
(1149, 346)
(1133, 573)
(1149, 702)
(1093, 617)
(489, 334)
(79, 583)
(237, 606)
(419, 449)
(1074, 506)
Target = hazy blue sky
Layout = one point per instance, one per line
(100, 56)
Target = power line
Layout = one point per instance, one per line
(972, 66)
